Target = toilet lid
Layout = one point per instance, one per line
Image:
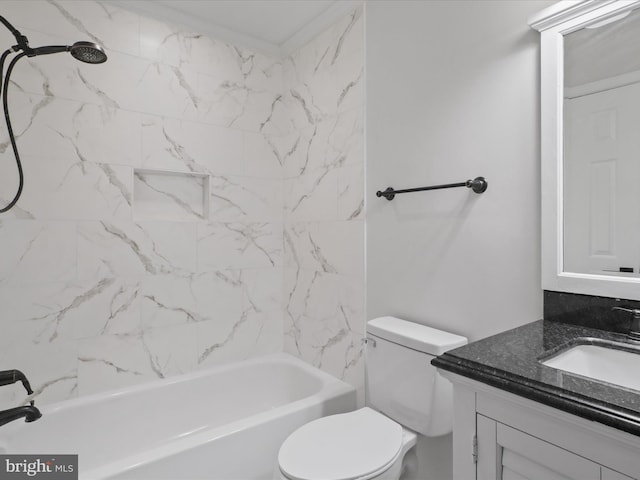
(342, 447)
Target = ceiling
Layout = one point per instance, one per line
(271, 26)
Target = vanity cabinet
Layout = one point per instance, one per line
(498, 435)
(506, 453)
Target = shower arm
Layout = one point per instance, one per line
(23, 41)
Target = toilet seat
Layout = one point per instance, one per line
(356, 445)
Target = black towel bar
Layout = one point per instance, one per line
(478, 185)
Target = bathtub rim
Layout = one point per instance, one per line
(179, 378)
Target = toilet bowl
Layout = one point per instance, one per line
(362, 445)
(406, 397)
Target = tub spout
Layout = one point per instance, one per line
(29, 412)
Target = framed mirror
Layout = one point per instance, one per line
(590, 139)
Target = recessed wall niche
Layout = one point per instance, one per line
(162, 195)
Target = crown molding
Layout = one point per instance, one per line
(175, 17)
(566, 10)
(316, 26)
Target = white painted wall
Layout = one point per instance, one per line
(453, 93)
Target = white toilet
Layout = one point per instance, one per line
(406, 397)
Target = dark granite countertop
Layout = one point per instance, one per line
(510, 361)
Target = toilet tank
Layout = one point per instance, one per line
(401, 382)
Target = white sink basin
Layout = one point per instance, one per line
(618, 367)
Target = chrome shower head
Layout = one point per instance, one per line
(88, 52)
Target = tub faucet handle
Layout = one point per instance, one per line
(7, 377)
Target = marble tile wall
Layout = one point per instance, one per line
(323, 173)
(188, 203)
(149, 238)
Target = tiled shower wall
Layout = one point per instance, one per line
(150, 237)
(324, 202)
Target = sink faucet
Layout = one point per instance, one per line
(634, 331)
(29, 412)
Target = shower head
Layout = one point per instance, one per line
(88, 52)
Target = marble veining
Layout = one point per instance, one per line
(351, 85)
(353, 18)
(21, 129)
(211, 348)
(106, 100)
(317, 254)
(177, 151)
(76, 22)
(40, 392)
(52, 322)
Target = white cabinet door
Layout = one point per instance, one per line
(488, 465)
(505, 453)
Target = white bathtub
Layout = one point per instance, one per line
(223, 423)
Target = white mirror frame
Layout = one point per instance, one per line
(553, 23)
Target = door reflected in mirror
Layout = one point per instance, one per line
(601, 143)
